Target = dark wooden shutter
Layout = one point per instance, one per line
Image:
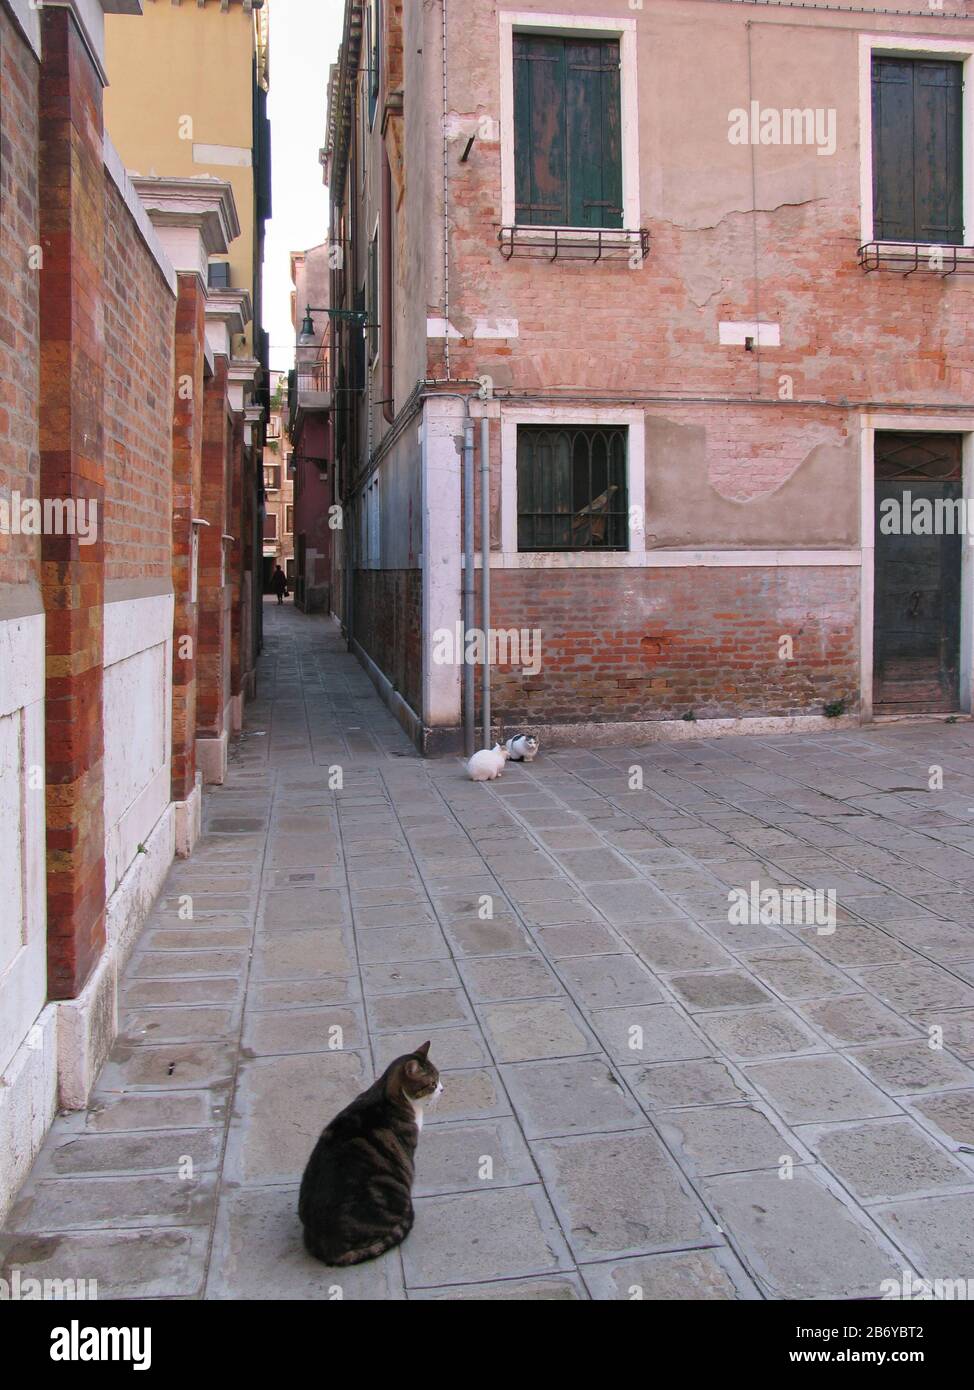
(917, 150)
(567, 132)
(540, 151)
(594, 126)
(373, 21)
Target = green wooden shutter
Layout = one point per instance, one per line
(938, 99)
(567, 132)
(917, 150)
(540, 151)
(594, 122)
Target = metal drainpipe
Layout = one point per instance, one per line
(446, 213)
(385, 316)
(468, 586)
(485, 570)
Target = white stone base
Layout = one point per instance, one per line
(28, 1101)
(599, 735)
(393, 700)
(88, 1025)
(211, 758)
(189, 820)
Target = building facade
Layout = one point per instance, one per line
(311, 415)
(704, 270)
(124, 530)
(278, 490)
(187, 97)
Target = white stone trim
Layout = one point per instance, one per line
(87, 1025)
(203, 202)
(133, 627)
(609, 733)
(194, 219)
(867, 578)
(439, 328)
(23, 968)
(21, 662)
(635, 420)
(736, 334)
(212, 757)
(396, 703)
(606, 25)
(920, 47)
(28, 1101)
(442, 554)
(234, 156)
(189, 819)
(673, 559)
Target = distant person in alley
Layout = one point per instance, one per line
(279, 584)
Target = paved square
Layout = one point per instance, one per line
(640, 1091)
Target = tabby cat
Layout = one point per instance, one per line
(356, 1193)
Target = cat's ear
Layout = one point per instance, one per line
(423, 1051)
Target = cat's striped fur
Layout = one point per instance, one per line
(356, 1193)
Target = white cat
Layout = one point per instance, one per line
(522, 748)
(487, 764)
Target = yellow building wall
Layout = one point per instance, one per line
(181, 77)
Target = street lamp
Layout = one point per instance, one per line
(356, 316)
(307, 336)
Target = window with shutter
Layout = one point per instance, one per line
(918, 190)
(567, 131)
(373, 24)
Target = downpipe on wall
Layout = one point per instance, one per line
(468, 586)
(485, 570)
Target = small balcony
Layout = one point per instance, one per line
(309, 391)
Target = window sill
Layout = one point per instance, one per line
(590, 244)
(916, 258)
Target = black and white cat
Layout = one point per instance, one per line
(522, 748)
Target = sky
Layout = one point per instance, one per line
(304, 39)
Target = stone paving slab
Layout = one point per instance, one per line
(644, 1099)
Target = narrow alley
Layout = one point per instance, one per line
(641, 1098)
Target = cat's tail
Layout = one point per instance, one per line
(329, 1256)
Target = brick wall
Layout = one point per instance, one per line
(213, 648)
(388, 615)
(654, 329)
(139, 328)
(19, 289)
(72, 203)
(235, 557)
(187, 445)
(637, 644)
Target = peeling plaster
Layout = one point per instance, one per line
(693, 226)
(699, 494)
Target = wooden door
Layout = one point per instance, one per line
(916, 627)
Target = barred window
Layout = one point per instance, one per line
(571, 488)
